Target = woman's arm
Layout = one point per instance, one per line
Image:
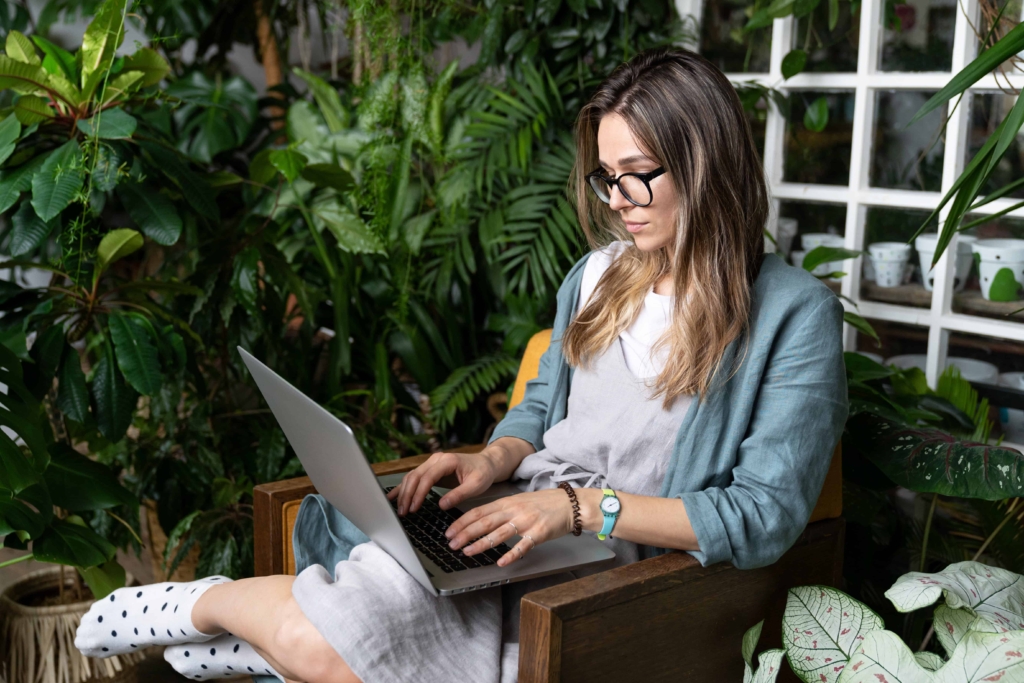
(647, 520)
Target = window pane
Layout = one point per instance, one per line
(806, 225)
(918, 36)
(972, 300)
(829, 51)
(911, 158)
(721, 24)
(1011, 17)
(819, 157)
(987, 111)
(892, 271)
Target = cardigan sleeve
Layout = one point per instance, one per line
(798, 417)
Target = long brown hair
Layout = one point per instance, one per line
(685, 115)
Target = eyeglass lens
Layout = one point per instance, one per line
(632, 188)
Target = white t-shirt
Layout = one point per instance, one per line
(649, 325)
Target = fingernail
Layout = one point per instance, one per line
(452, 545)
(448, 533)
(401, 509)
(443, 504)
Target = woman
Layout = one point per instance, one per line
(707, 391)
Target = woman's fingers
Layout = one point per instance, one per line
(525, 545)
(484, 534)
(416, 484)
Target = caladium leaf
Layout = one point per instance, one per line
(980, 657)
(929, 661)
(929, 460)
(821, 628)
(951, 625)
(994, 595)
(767, 663)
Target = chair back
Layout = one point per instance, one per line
(830, 502)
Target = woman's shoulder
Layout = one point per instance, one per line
(781, 289)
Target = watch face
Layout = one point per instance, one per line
(610, 505)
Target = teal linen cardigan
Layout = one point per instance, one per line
(751, 457)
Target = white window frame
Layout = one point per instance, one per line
(858, 196)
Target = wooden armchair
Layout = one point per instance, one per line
(662, 619)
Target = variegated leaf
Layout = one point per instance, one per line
(951, 625)
(768, 663)
(821, 628)
(979, 658)
(929, 661)
(992, 594)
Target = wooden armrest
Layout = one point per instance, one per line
(667, 618)
(272, 530)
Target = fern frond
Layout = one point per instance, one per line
(465, 384)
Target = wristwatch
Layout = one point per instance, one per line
(610, 507)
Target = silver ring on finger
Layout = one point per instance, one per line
(515, 527)
(531, 541)
(489, 540)
(516, 548)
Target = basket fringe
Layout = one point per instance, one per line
(40, 642)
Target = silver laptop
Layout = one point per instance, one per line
(340, 472)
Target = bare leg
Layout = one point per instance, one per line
(263, 612)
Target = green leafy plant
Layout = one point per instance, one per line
(829, 637)
(45, 486)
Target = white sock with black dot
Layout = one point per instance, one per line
(136, 617)
(226, 655)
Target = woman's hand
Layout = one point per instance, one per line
(475, 471)
(537, 516)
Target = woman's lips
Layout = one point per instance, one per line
(634, 227)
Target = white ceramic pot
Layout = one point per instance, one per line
(925, 245)
(889, 260)
(786, 232)
(970, 369)
(1012, 419)
(1001, 268)
(812, 240)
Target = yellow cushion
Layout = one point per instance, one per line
(529, 367)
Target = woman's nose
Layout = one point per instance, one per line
(616, 201)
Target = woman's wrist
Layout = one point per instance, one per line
(590, 508)
(505, 456)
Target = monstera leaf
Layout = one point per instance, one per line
(930, 460)
(993, 596)
(980, 657)
(767, 663)
(821, 629)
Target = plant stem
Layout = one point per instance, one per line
(927, 532)
(16, 560)
(317, 237)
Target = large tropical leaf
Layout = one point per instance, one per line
(351, 231)
(57, 181)
(154, 213)
(31, 109)
(197, 193)
(114, 399)
(73, 394)
(109, 124)
(15, 181)
(20, 412)
(19, 47)
(99, 43)
(821, 628)
(137, 357)
(32, 79)
(327, 100)
(77, 483)
(65, 542)
(929, 460)
(996, 596)
(884, 658)
(152, 65)
(16, 516)
(28, 230)
(10, 131)
(114, 246)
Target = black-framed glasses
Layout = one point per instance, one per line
(635, 187)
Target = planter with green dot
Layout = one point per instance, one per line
(1000, 268)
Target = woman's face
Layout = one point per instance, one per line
(653, 226)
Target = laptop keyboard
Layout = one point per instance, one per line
(426, 528)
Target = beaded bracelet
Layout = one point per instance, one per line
(577, 525)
